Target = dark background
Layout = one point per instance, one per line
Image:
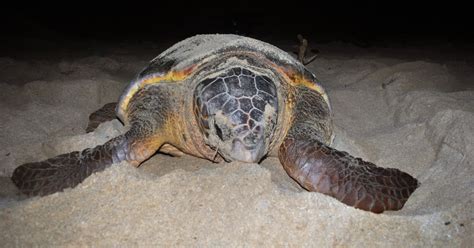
(365, 25)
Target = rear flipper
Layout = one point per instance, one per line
(355, 182)
(106, 113)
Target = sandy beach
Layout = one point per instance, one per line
(394, 107)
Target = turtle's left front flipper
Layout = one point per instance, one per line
(355, 182)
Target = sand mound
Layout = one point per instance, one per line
(409, 114)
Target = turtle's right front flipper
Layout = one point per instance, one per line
(68, 170)
(150, 117)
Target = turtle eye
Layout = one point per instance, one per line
(218, 131)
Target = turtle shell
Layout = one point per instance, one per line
(182, 60)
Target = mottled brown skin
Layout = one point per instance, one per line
(158, 117)
(68, 170)
(147, 132)
(317, 167)
(309, 160)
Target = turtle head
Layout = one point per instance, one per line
(237, 113)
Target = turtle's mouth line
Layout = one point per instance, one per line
(217, 154)
(245, 153)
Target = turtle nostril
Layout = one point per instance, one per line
(218, 131)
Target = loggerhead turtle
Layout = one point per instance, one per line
(226, 98)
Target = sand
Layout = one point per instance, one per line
(413, 112)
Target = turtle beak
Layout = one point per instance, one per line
(248, 154)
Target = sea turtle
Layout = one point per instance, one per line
(228, 98)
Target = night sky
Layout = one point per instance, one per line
(360, 24)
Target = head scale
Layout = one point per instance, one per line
(237, 113)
